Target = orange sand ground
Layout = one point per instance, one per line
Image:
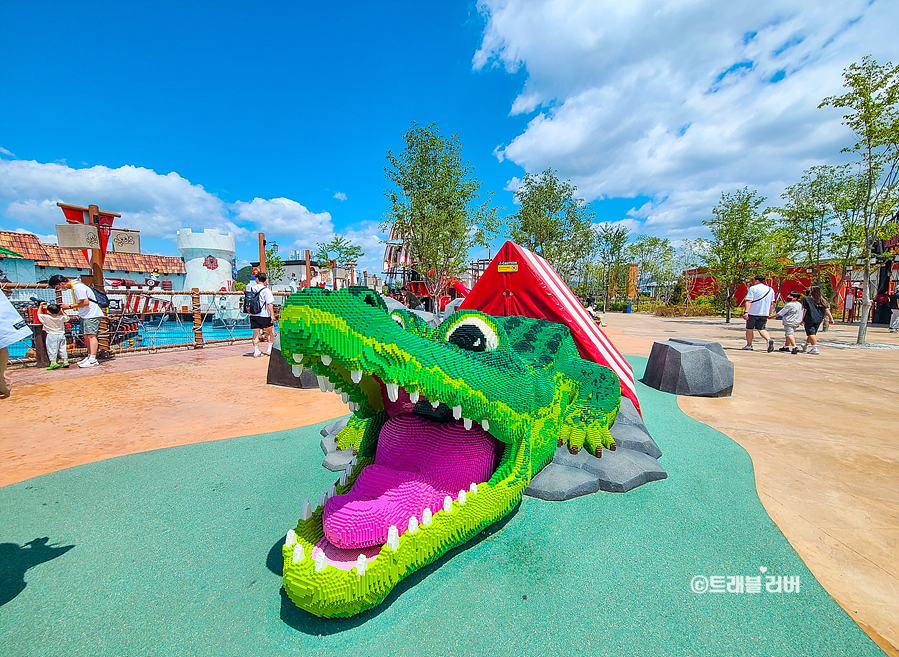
(822, 432)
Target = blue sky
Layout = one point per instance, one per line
(249, 116)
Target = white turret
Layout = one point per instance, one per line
(207, 259)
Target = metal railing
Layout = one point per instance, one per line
(139, 321)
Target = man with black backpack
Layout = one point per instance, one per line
(87, 307)
(259, 304)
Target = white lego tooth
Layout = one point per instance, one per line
(298, 358)
(326, 360)
(473, 489)
(343, 478)
(353, 407)
(361, 563)
(393, 391)
(298, 554)
(349, 468)
(332, 491)
(322, 499)
(322, 383)
(338, 391)
(426, 517)
(306, 513)
(321, 561)
(330, 387)
(457, 412)
(413, 396)
(291, 538)
(296, 370)
(413, 525)
(435, 403)
(393, 538)
(356, 376)
(354, 461)
(467, 422)
(447, 504)
(463, 498)
(485, 425)
(345, 397)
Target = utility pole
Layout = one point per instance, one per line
(261, 253)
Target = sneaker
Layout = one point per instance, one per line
(257, 354)
(795, 350)
(87, 362)
(784, 348)
(54, 366)
(770, 346)
(747, 348)
(65, 365)
(804, 347)
(814, 350)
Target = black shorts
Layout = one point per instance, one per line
(756, 322)
(258, 322)
(811, 329)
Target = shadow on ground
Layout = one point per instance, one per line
(16, 560)
(316, 626)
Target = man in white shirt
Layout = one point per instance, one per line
(757, 310)
(264, 319)
(90, 312)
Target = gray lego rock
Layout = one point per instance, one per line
(430, 318)
(452, 306)
(280, 372)
(689, 369)
(711, 345)
(572, 475)
(335, 459)
(629, 431)
(624, 470)
(558, 482)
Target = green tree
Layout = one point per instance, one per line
(611, 260)
(553, 223)
(847, 240)
(274, 267)
(739, 245)
(808, 214)
(339, 249)
(872, 104)
(435, 205)
(654, 257)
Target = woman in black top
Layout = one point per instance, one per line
(814, 309)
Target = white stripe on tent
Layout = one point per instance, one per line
(620, 367)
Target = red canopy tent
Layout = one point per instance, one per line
(518, 282)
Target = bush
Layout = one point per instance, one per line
(686, 311)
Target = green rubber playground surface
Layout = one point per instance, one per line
(176, 552)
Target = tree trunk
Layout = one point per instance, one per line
(866, 303)
(727, 306)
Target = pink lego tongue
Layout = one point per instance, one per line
(417, 464)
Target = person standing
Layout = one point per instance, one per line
(756, 310)
(264, 319)
(894, 309)
(12, 329)
(791, 314)
(87, 308)
(54, 321)
(814, 309)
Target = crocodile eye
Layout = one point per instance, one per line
(473, 334)
(399, 320)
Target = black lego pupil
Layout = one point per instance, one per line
(468, 337)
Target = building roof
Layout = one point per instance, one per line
(49, 255)
(26, 244)
(145, 262)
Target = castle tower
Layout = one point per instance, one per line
(207, 259)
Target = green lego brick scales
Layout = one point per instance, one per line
(521, 380)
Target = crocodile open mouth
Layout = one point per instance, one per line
(427, 456)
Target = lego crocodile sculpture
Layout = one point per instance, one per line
(449, 426)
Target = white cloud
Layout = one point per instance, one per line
(157, 205)
(678, 100)
(340, 196)
(6, 152)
